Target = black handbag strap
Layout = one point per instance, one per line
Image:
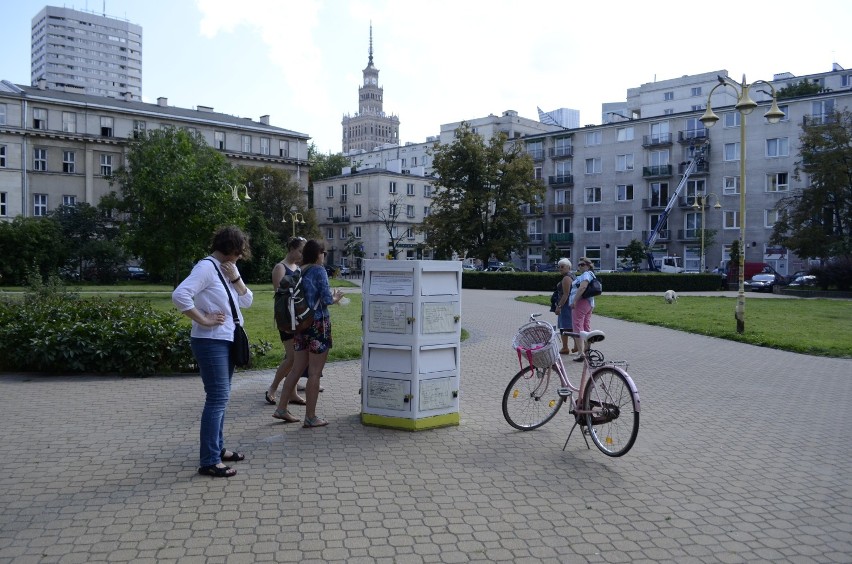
(227, 291)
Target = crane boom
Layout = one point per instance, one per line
(697, 159)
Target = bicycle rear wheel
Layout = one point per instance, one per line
(531, 398)
(614, 422)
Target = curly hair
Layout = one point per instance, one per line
(230, 240)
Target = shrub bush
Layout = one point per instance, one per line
(61, 333)
(612, 281)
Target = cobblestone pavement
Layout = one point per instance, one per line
(744, 455)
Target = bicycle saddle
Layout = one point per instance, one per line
(594, 336)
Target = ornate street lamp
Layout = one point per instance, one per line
(295, 217)
(745, 105)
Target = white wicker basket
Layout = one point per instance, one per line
(537, 342)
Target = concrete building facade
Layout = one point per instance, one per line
(59, 147)
(82, 52)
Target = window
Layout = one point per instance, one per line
(732, 151)
(777, 147)
(770, 217)
(537, 173)
(562, 225)
(732, 119)
(39, 118)
(562, 169)
(821, 111)
(39, 205)
(413, 161)
(343, 233)
(624, 134)
(593, 195)
(344, 212)
(264, 145)
(329, 191)
(593, 166)
(846, 80)
(357, 210)
(425, 211)
(329, 233)
(534, 230)
(668, 96)
(409, 189)
(624, 162)
(392, 187)
(69, 200)
(594, 254)
(283, 148)
(409, 233)
(697, 107)
(593, 224)
(40, 159)
(246, 143)
(68, 158)
(731, 185)
(624, 223)
(219, 140)
(593, 137)
(660, 133)
(357, 188)
(3, 116)
(624, 193)
(106, 165)
(786, 110)
(659, 194)
(392, 210)
(409, 211)
(695, 129)
(427, 191)
(3, 210)
(330, 213)
(731, 219)
(358, 232)
(344, 189)
(562, 147)
(694, 188)
(2, 156)
(69, 122)
(653, 219)
(695, 91)
(562, 197)
(138, 128)
(106, 126)
(777, 182)
(536, 150)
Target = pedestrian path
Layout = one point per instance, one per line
(743, 455)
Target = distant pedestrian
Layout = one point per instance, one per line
(204, 299)
(563, 308)
(582, 307)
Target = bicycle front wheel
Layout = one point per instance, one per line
(613, 422)
(531, 399)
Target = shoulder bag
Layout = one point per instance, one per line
(240, 351)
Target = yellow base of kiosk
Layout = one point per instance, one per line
(421, 424)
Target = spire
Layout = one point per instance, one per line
(370, 62)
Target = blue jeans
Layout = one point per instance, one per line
(214, 363)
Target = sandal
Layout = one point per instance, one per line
(311, 422)
(271, 399)
(301, 388)
(233, 457)
(299, 400)
(217, 471)
(285, 416)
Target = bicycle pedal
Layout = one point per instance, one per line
(564, 392)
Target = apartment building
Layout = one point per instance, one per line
(86, 53)
(609, 184)
(59, 147)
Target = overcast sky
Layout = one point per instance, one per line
(443, 61)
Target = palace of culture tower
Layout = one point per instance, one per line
(370, 127)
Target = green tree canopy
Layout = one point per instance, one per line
(175, 191)
(816, 221)
(91, 240)
(28, 242)
(479, 196)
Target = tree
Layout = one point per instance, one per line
(274, 195)
(816, 221)
(28, 242)
(323, 166)
(635, 252)
(479, 196)
(802, 88)
(175, 191)
(91, 241)
(355, 249)
(390, 218)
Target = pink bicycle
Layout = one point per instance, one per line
(605, 405)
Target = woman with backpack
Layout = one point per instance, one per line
(582, 307)
(311, 346)
(563, 310)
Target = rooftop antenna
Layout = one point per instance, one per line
(371, 44)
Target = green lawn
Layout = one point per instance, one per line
(810, 326)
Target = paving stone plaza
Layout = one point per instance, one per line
(744, 455)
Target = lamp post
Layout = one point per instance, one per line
(701, 203)
(745, 105)
(235, 192)
(294, 216)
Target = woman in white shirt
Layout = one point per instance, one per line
(204, 299)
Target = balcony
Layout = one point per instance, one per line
(657, 140)
(561, 209)
(340, 219)
(702, 168)
(536, 154)
(657, 171)
(527, 209)
(561, 180)
(560, 238)
(688, 234)
(818, 119)
(655, 204)
(663, 235)
(690, 136)
(535, 237)
(561, 152)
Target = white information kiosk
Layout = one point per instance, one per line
(412, 334)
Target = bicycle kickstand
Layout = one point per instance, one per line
(581, 434)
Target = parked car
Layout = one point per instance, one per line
(545, 267)
(132, 273)
(804, 280)
(797, 274)
(504, 268)
(344, 271)
(764, 282)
